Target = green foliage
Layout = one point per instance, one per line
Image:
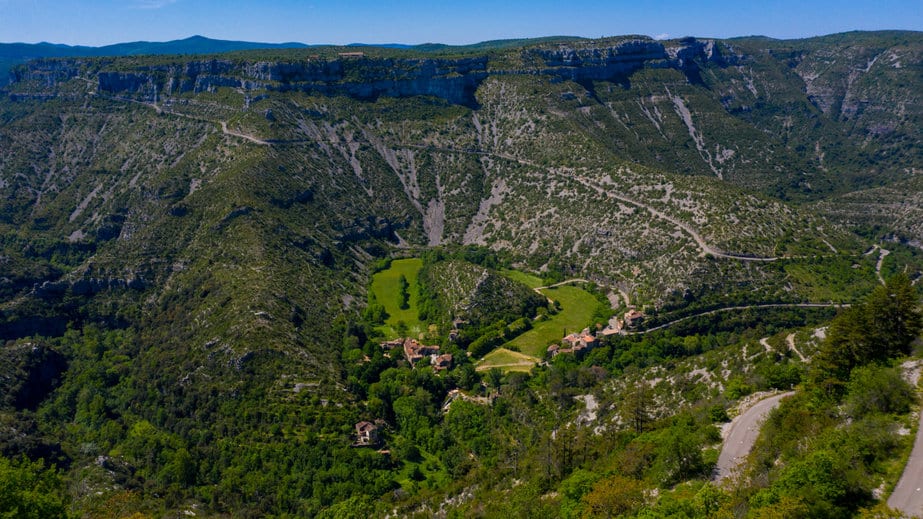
(737, 388)
(30, 491)
(356, 507)
(577, 310)
(490, 338)
(817, 463)
(615, 496)
(874, 389)
(881, 328)
(479, 295)
(391, 288)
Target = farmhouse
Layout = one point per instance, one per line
(441, 362)
(578, 343)
(366, 434)
(414, 350)
(633, 318)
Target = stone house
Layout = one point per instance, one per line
(366, 434)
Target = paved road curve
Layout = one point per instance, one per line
(745, 307)
(742, 435)
(908, 494)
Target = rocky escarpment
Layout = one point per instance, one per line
(361, 77)
(358, 77)
(585, 62)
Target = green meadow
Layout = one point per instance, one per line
(386, 287)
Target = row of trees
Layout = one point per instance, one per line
(874, 332)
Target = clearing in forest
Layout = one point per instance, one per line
(386, 285)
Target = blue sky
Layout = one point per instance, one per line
(101, 22)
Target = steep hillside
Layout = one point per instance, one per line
(895, 209)
(477, 295)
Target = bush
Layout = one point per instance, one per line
(874, 389)
(737, 388)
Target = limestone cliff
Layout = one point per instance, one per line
(361, 77)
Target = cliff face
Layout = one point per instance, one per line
(454, 80)
(592, 63)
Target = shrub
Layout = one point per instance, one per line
(874, 389)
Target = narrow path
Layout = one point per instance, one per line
(765, 342)
(254, 140)
(883, 253)
(222, 124)
(791, 345)
(507, 366)
(625, 297)
(742, 434)
(747, 307)
(908, 494)
(707, 250)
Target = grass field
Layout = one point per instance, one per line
(577, 309)
(506, 360)
(385, 286)
(526, 279)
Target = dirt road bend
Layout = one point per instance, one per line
(742, 434)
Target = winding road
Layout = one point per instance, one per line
(881, 259)
(745, 307)
(908, 494)
(742, 434)
(254, 140)
(704, 247)
(790, 339)
(161, 110)
(707, 250)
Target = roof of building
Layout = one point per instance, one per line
(364, 426)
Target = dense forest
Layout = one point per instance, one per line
(514, 444)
